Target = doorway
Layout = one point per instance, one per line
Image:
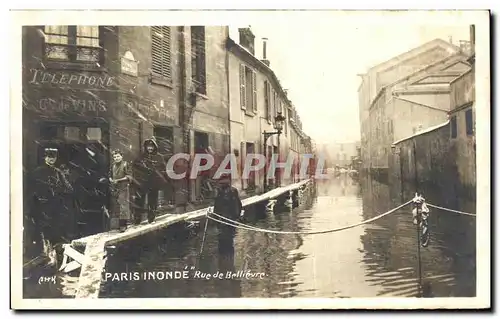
(165, 138)
(83, 154)
(203, 187)
(250, 149)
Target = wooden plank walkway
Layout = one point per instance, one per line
(94, 259)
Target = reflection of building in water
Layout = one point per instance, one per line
(268, 253)
(390, 248)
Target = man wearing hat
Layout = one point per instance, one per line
(49, 187)
(149, 176)
(228, 204)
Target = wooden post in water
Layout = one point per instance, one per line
(418, 207)
(418, 252)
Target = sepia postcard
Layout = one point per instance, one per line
(250, 159)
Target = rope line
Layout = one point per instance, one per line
(451, 210)
(248, 227)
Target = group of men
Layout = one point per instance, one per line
(52, 192)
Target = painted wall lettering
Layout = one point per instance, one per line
(65, 104)
(103, 81)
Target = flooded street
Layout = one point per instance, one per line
(375, 259)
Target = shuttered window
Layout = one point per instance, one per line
(267, 100)
(198, 59)
(254, 92)
(276, 105)
(285, 114)
(161, 64)
(243, 94)
(248, 89)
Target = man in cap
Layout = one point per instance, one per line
(148, 170)
(228, 204)
(49, 186)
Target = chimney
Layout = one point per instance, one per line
(473, 38)
(264, 52)
(247, 39)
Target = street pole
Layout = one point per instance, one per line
(265, 165)
(401, 177)
(278, 181)
(419, 264)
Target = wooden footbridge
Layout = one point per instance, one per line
(89, 253)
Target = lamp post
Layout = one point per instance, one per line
(278, 126)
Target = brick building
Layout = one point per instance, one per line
(91, 89)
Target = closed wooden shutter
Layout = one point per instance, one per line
(161, 51)
(267, 102)
(285, 115)
(198, 58)
(254, 92)
(243, 95)
(271, 111)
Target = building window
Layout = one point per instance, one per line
(453, 124)
(248, 89)
(469, 124)
(72, 43)
(165, 137)
(275, 105)
(198, 59)
(285, 115)
(161, 61)
(267, 100)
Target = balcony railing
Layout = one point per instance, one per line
(73, 53)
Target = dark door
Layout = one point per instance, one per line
(83, 150)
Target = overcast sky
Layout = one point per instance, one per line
(318, 63)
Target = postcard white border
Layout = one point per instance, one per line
(479, 18)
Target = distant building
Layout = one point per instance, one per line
(406, 94)
(462, 124)
(340, 154)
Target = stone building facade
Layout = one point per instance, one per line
(256, 97)
(92, 89)
(408, 93)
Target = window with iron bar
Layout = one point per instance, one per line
(198, 59)
(161, 56)
(72, 43)
(453, 124)
(469, 123)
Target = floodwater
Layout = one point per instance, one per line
(375, 259)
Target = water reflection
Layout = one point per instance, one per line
(376, 259)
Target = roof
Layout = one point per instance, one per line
(249, 57)
(414, 52)
(427, 130)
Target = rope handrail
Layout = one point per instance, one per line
(451, 210)
(248, 227)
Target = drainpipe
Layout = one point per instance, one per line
(183, 120)
(230, 151)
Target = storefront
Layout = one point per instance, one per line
(71, 110)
